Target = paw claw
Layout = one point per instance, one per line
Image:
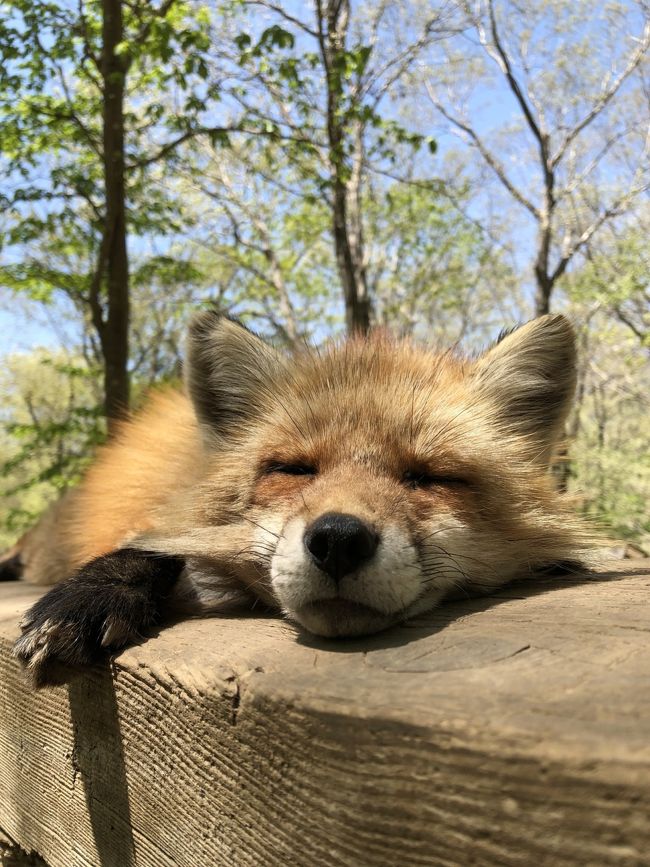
(116, 632)
(26, 621)
(41, 645)
(101, 608)
(34, 640)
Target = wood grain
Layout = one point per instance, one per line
(511, 730)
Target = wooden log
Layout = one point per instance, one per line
(510, 730)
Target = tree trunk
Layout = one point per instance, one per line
(543, 276)
(357, 303)
(332, 26)
(114, 334)
(543, 292)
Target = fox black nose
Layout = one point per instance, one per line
(338, 544)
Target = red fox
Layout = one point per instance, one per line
(349, 487)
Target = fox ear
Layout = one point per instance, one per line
(529, 378)
(227, 371)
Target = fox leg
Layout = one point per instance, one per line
(101, 608)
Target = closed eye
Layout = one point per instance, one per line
(416, 479)
(289, 469)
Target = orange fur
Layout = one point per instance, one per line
(195, 477)
(136, 473)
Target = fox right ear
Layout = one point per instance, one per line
(227, 372)
(529, 379)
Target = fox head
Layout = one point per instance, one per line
(360, 484)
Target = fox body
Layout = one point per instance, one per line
(350, 487)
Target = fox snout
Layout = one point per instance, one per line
(343, 573)
(339, 544)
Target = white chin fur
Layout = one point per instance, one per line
(388, 584)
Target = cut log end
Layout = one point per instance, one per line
(511, 729)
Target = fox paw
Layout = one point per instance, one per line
(105, 606)
(77, 627)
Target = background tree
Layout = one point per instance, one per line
(279, 161)
(265, 239)
(50, 414)
(82, 127)
(616, 279)
(431, 270)
(576, 89)
(330, 78)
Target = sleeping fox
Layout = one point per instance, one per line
(348, 487)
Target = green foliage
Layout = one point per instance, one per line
(432, 270)
(296, 76)
(51, 112)
(611, 452)
(617, 278)
(238, 135)
(52, 422)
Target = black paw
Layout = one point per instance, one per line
(108, 604)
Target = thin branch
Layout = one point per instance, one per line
(274, 7)
(614, 210)
(489, 158)
(72, 116)
(88, 51)
(606, 96)
(170, 146)
(504, 62)
(266, 250)
(642, 335)
(402, 60)
(580, 177)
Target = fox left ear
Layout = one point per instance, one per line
(228, 372)
(529, 379)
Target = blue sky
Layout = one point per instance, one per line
(20, 334)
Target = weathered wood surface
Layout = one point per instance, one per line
(513, 730)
